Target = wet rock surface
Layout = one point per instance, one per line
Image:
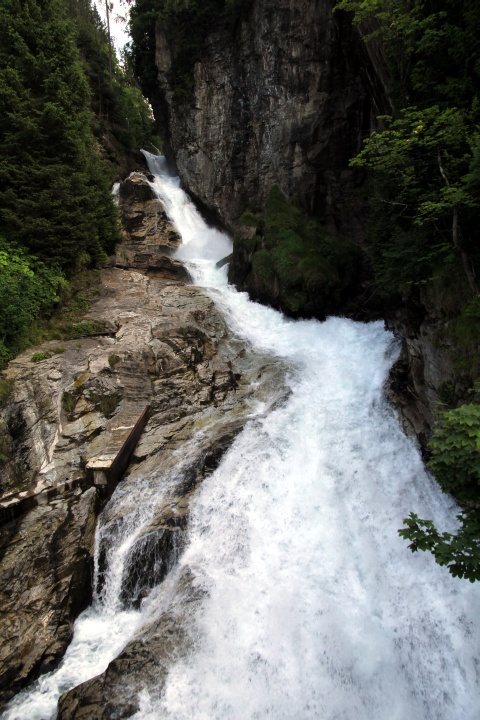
(144, 219)
(45, 581)
(142, 665)
(204, 392)
(427, 365)
(167, 347)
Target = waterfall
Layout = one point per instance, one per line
(313, 606)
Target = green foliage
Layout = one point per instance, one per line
(67, 321)
(132, 122)
(464, 330)
(432, 48)
(425, 162)
(426, 159)
(262, 264)
(116, 100)
(6, 387)
(39, 356)
(424, 165)
(5, 444)
(456, 452)
(69, 401)
(83, 328)
(54, 192)
(46, 355)
(113, 360)
(62, 320)
(249, 219)
(460, 552)
(106, 404)
(456, 463)
(313, 269)
(28, 290)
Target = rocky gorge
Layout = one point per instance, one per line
(161, 345)
(108, 441)
(231, 566)
(282, 95)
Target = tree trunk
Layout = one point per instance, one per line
(467, 266)
(109, 41)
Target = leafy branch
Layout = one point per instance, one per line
(456, 463)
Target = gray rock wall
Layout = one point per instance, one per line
(283, 98)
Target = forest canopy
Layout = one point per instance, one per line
(60, 99)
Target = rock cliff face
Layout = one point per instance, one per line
(164, 345)
(427, 371)
(283, 98)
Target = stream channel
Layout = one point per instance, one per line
(312, 606)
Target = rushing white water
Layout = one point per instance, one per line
(315, 608)
(99, 635)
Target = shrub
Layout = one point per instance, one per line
(39, 356)
(314, 270)
(456, 462)
(28, 290)
(456, 452)
(113, 360)
(6, 387)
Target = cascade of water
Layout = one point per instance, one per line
(314, 608)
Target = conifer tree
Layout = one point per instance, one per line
(54, 193)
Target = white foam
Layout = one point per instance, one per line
(99, 637)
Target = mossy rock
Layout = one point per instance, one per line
(302, 267)
(263, 267)
(39, 356)
(5, 443)
(69, 402)
(250, 219)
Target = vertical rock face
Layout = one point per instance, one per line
(428, 369)
(144, 220)
(283, 98)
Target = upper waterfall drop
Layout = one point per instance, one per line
(201, 244)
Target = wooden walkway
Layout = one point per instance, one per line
(110, 465)
(103, 470)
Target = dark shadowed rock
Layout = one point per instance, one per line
(143, 664)
(45, 581)
(285, 97)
